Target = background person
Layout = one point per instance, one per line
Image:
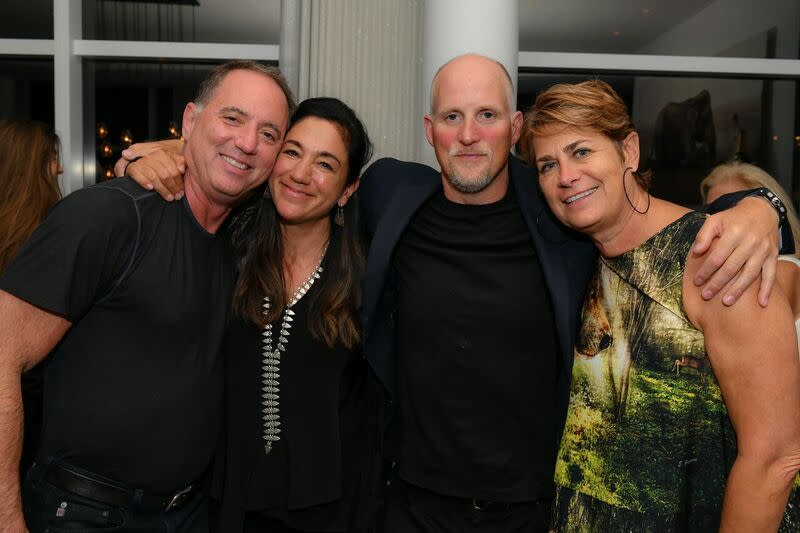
(738, 176)
(29, 170)
(642, 322)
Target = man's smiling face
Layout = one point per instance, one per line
(233, 140)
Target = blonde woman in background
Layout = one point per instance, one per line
(737, 176)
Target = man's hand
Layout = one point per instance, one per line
(155, 165)
(747, 247)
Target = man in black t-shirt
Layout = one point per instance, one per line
(471, 301)
(128, 294)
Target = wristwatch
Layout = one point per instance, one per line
(787, 241)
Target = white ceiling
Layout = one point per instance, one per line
(545, 25)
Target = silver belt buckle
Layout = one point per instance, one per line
(176, 499)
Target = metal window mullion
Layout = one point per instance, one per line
(26, 47)
(68, 91)
(173, 50)
(643, 64)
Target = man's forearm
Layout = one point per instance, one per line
(11, 423)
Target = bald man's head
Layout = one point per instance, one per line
(472, 126)
(476, 61)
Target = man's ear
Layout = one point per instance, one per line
(428, 128)
(348, 192)
(190, 113)
(516, 126)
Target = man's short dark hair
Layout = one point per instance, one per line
(215, 77)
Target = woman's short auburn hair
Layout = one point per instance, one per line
(589, 104)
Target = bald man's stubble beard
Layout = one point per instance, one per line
(470, 185)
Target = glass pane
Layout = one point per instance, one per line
(689, 125)
(664, 27)
(26, 19)
(212, 21)
(26, 89)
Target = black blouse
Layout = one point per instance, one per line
(322, 473)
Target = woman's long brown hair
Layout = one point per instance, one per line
(257, 240)
(28, 186)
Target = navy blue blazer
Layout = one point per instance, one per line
(392, 191)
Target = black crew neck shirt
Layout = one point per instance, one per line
(477, 354)
(133, 391)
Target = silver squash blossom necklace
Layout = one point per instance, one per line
(270, 377)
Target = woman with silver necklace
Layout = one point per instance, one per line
(301, 450)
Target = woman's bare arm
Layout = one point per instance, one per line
(753, 351)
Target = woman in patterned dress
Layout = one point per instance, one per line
(683, 413)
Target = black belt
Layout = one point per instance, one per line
(476, 504)
(69, 480)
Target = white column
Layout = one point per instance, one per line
(456, 27)
(368, 54)
(68, 85)
(289, 49)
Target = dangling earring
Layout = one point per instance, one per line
(267, 194)
(338, 218)
(625, 188)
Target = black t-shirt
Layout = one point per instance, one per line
(477, 354)
(134, 389)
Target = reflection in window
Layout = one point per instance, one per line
(26, 89)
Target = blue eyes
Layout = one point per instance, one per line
(578, 153)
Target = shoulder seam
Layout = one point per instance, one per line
(135, 251)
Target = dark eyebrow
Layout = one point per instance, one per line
(239, 111)
(568, 148)
(319, 154)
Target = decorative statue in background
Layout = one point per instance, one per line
(684, 134)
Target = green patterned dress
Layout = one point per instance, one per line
(648, 443)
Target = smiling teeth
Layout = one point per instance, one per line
(584, 194)
(234, 162)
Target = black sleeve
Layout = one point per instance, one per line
(726, 201)
(78, 254)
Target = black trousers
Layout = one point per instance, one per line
(257, 522)
(49, 509)
(411, 509)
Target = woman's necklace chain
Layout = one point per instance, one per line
(270, 377)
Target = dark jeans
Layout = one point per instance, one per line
(49, 509)
(412, 509)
